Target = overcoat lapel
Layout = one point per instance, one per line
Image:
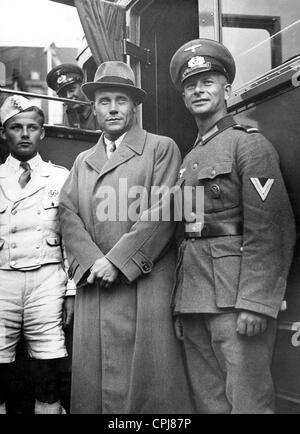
(132, 144)
(98, 158)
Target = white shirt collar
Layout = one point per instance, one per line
(117, 141)
(34, 162)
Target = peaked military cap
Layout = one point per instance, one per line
(201, 55)
(13, 105)
(63, 75)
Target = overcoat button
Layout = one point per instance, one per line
(145, 266)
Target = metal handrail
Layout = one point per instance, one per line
(42, 96)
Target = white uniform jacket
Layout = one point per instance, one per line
(29, 221)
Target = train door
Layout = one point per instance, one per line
(164, 27)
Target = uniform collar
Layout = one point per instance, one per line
(220, 126)
(34, 162)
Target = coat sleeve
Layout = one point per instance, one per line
(269, 228)
(81, 250)
(136, 251)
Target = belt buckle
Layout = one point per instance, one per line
(194, 227)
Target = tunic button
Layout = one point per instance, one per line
(37, 246)
(39, 212)
(215, 190)
(213, 172)
(13, 230)
(13, 246)
(193, 215)
(38, 228)
(195, 166)
(13, 263)
(242, 249)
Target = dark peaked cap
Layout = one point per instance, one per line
(63, 75)
(201, 55)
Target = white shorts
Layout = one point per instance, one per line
(31, 303)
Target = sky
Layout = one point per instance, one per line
(38, 23)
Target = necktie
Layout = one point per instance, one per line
(26, 175)
(111, 148)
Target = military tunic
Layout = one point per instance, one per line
(84, 119)
(245, 193)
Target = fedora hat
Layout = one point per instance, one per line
(114, 74)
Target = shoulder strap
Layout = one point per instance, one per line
(247, 128)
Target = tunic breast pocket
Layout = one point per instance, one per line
(50, 206)
(226, 255)
(221, 189)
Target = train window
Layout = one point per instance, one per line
(261, 34)
(41, 35)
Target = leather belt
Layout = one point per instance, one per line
(210, 230)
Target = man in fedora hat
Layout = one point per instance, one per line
(126, 357)
(66, 79)
(235, 253)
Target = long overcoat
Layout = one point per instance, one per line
(126, 358)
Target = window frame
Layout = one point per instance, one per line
(272, 24)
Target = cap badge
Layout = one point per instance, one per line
(196, 61)
(17, 104)
(61, 79)
(193, 48)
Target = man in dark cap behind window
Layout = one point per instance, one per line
(66, 79)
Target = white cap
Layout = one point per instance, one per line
(12, 106)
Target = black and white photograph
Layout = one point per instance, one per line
(149, 210)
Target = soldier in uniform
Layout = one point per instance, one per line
(32, 274)
(66, 79)
(236, 249)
